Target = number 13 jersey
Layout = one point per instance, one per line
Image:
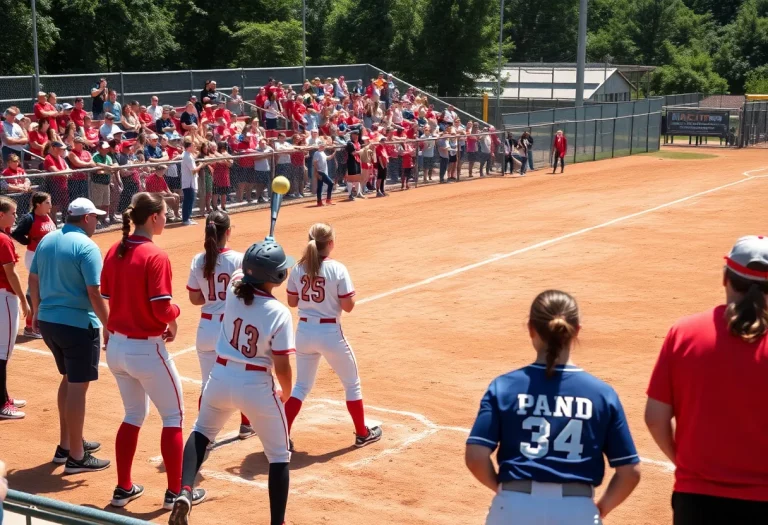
(252, 334)
(214, 289)
(321, 296)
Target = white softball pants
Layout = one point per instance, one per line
(9, 323)
(144, 371)
(544, 506)
(313, 341)
(207, 335)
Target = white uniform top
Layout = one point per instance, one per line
(321, 298)
(253, 334)
(214, 289)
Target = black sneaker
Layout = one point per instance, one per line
(182, 507)
(374, 434)
(87, 464)
(121, 497)
(196, 497)
(61, 455)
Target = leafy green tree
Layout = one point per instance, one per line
(689, 71)
(16, 53)
(722, 11)
(458, 45)
(757, 81)
(267, 44)
(543, 31)
(744, 44)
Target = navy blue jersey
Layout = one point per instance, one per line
(553, 430)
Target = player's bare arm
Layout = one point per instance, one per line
(623, 482)
(658, 419)
(284, 374)
(479, 463)
(196, 297)
(13, 280)
(347, 303)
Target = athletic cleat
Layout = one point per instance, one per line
(374, 434)
(246, 431)
(31, 334)
(196, 497)
(18, 403)
(87, 464)
(11, 412)
(122, 497)
(182, 507)
(61, 455)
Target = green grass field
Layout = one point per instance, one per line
(680, 155)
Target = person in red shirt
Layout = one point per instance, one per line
(711, 377)
(30, 231)
(382, 158)
(221, 175)
(222, 112)
(38, 137)
(44, 110)
(57, 184)
(243, 171)
(12, 298)
(147, 121)
(559, 147)
(156, 184)
(17, 183)
(142, 319)
(78, 114)
(406, 154)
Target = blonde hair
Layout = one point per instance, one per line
(320, 235)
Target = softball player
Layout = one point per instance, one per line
(136, 280)
(11, 297)
(322, 288)
(256, 336)
(30, 231)
(208, 281)
(552, 422)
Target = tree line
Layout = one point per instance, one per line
(715, 46)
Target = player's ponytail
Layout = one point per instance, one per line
(555, 317)
(244, 291)
(142, 207)
(320, 236)
(216, 228)
(747, 317)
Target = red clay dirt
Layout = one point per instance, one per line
(427, 353)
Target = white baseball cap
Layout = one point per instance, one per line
(82, 206)
(747, 250)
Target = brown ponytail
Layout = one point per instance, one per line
(216, 227)
(244, 291)
(142, 207)
(555, 317)
(320, 235)
(747, 317)
(38, 198)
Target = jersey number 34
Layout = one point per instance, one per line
(568, 440)
(250, 347)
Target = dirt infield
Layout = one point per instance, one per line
(444, 278)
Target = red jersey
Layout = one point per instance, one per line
(221, 112)
(261, 100)
(561, 145)
(155, 184)
(32, 228)
(92, 134)
(17, 174)
(39, 108)
(241, 149)
(59, 182)
(77, 117)
(35, 137)
(146, 118)
(221, 175)
(138, 288)
(407, 156)
(716, 384)
(8, 255)
(84, 156)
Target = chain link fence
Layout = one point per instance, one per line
(754, 124)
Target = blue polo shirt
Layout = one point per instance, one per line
(66, 262)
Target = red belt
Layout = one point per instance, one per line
(138, 338)
(322, 321)
(250, 368)
(210, 316)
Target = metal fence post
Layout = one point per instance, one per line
(35, 88)
(647, 127)
(122, 89)
(242, 82)
(631, 133)
(613, 139)
(594, 143)
(191, 84)
(576, 143)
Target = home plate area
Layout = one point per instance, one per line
(323, 435)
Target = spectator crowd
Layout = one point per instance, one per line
(324, 133)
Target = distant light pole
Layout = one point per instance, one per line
(498, 87)
(34, 46)
(581, 53)
(303, 40)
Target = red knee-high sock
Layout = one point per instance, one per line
(125, 448)
(172, 449)
(244, 420)
(357, 412)
(292, 408)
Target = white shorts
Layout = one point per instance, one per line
(545, 504)
(231, 388)
(207, 335)
(144, 371)
(28, 256)
(9, 323)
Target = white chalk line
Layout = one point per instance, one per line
(432, 427)
(555, 240)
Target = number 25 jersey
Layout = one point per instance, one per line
(252, 334)
(214, 289)
(321, 296)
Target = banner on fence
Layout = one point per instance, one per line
(698, 123)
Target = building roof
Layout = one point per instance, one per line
(551, 82)
(722, 102)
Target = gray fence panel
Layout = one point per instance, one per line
(624, 109)
(516, 120)
(604, 130)
(654, 131)
(593, 112)
(585, 140)
(622, 135)
(609, 110)
(542, 117)
(640, 134)
(564, 114)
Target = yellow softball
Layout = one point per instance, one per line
(281, 185)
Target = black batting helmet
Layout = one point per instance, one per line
(266, 262)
